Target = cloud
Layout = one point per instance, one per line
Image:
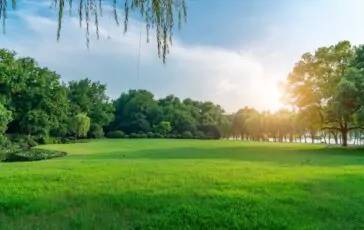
(200, 72)
(233, 78)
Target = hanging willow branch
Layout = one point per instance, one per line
(158, 15)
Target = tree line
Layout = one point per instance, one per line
(324, 93)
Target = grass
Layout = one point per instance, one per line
(180, 184)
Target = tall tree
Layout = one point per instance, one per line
(90, 98)
(26, 87)
(330, 81)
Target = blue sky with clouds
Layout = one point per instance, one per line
(232, 52)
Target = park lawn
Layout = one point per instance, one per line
(185, 184)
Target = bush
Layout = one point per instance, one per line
(151, 135)
(200, 135)
(158, 135)
(133, 135)
(142, 135)
(116, 134)
(172, 136)
(44, 140)
(187, 135)
(96, 131)
(17, 155)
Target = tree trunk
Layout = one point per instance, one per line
(312, 138)
(344, 137)
(334, 134)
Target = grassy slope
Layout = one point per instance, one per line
(170, 184)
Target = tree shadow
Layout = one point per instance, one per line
(322, 203)
(281, 154)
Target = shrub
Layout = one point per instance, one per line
(187, 135)
(96, 131)
(200, 135)
(158, 135)
(142, 135)
(151, 135)
(44, 140)
(133, 135)
(116, 134)
(16, 155)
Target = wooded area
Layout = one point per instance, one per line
(325, 93)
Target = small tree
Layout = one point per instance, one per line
(164, 127)
(80, 125)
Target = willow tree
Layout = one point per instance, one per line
(157, 15)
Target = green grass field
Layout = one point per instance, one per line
(180, 184)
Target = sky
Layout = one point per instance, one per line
(231, 52)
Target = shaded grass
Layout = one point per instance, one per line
(179, 184)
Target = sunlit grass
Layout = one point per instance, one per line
(180, 184)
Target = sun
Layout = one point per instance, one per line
(273, 98)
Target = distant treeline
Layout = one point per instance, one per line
(325, 91)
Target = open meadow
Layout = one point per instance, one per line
(185, 184)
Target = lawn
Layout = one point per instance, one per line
(185, 184)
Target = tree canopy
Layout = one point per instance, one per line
(325, 91)
(329, 84)
(161, 16)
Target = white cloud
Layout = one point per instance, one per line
(232, 78)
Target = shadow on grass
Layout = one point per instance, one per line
(316, 204)
(290, 154)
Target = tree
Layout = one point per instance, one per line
(159, 15)
(330, 81)
(35, 122)
(90, 97)
(26, 87)
(80, 125)
(164, 127)
(5, 118)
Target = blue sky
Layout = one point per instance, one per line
(232, 52)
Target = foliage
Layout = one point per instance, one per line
(159, 15)
(187, 135)
(116, 134)
(137, 111)
(164, 127)
(90, 98)
(96, 131)
(80, 125)
(18, 155)
(5, 118)
(330, 83)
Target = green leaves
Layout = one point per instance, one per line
(5, 118)
(158, 15)
(80, 125)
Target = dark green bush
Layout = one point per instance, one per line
(150, 135)
(47, 140)
(116, 134)
(142, 135)
(158, 135)
(133, 135)
(200, 135)
(187, 135)
(16, 154)
(96, 131)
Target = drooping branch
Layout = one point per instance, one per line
(159, 15)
